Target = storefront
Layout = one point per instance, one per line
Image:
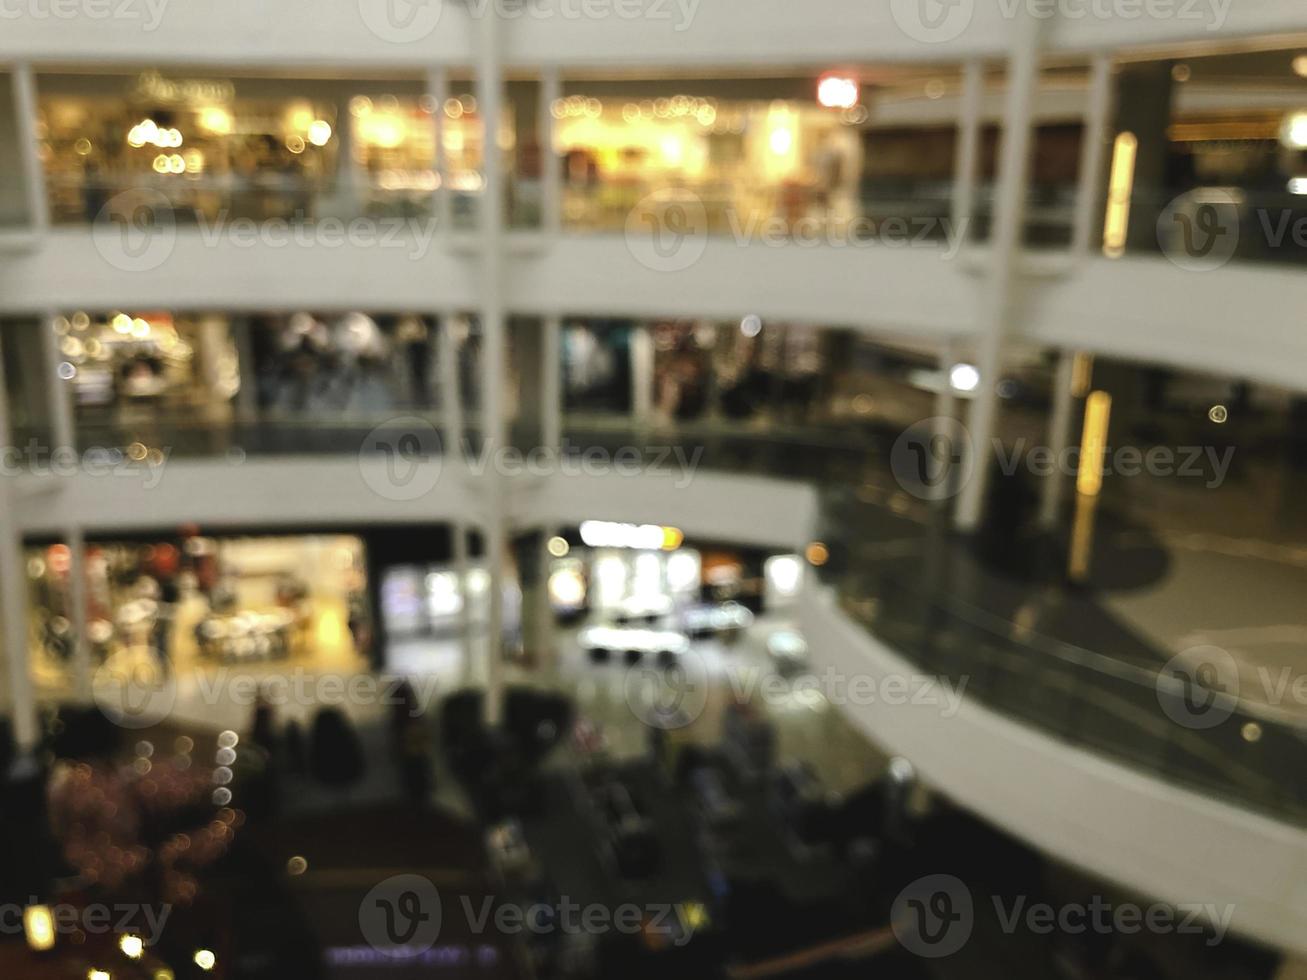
(193, 602)
(246, 147)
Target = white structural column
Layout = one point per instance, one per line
(438, 89)
(490, 99)
(451, 396)
(25, 110)
(642, 374)
(13, 606)
(1093, 157)
(76, 541)
(1009, 219)
(551, 164)
(1059, 438)
(966, 162)
(551, 384)
(64, 437)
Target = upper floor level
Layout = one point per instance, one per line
(663, 34)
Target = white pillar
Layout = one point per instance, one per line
(59, 392)
(490, 214)
(438, 89)
(1093, 156)
(551, 387)
(1059, 438)
(1009, 219)
(64, 438)
(13, 606)
(463, 570)
(966, 161)
(551, 164)
(25, 111)
(451, 397)
(77, 599)
(642, 374)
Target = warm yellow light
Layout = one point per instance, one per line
(94, 974)
(1119, 190)
(817, 554)
(163, 975)
(382, 129)
(319, 132)
(1293, 133)
(38, 924)
(673, 538)
(1082, 374)
(122, 323)
(1300, 65)
(1093, 442)
(216, 120)
(205, 959)
(781, 140)
(132, 947)
(558, 547)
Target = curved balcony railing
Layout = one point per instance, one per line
(896, 571)
(1029, 646)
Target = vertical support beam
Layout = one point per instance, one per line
(1009, 219)
(463, 570)
(247, 400)
(13, 606)
(438, 89)
(64, 437)
(1093, 157)
(642, 374)
(451, 397)
(59, 392)
(1059, 437)
(81, 660)
(25, 111)
(551, 164)
(551, 384)
(967, 161)
(490, 214)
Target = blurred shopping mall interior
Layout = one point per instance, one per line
(653, 488)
